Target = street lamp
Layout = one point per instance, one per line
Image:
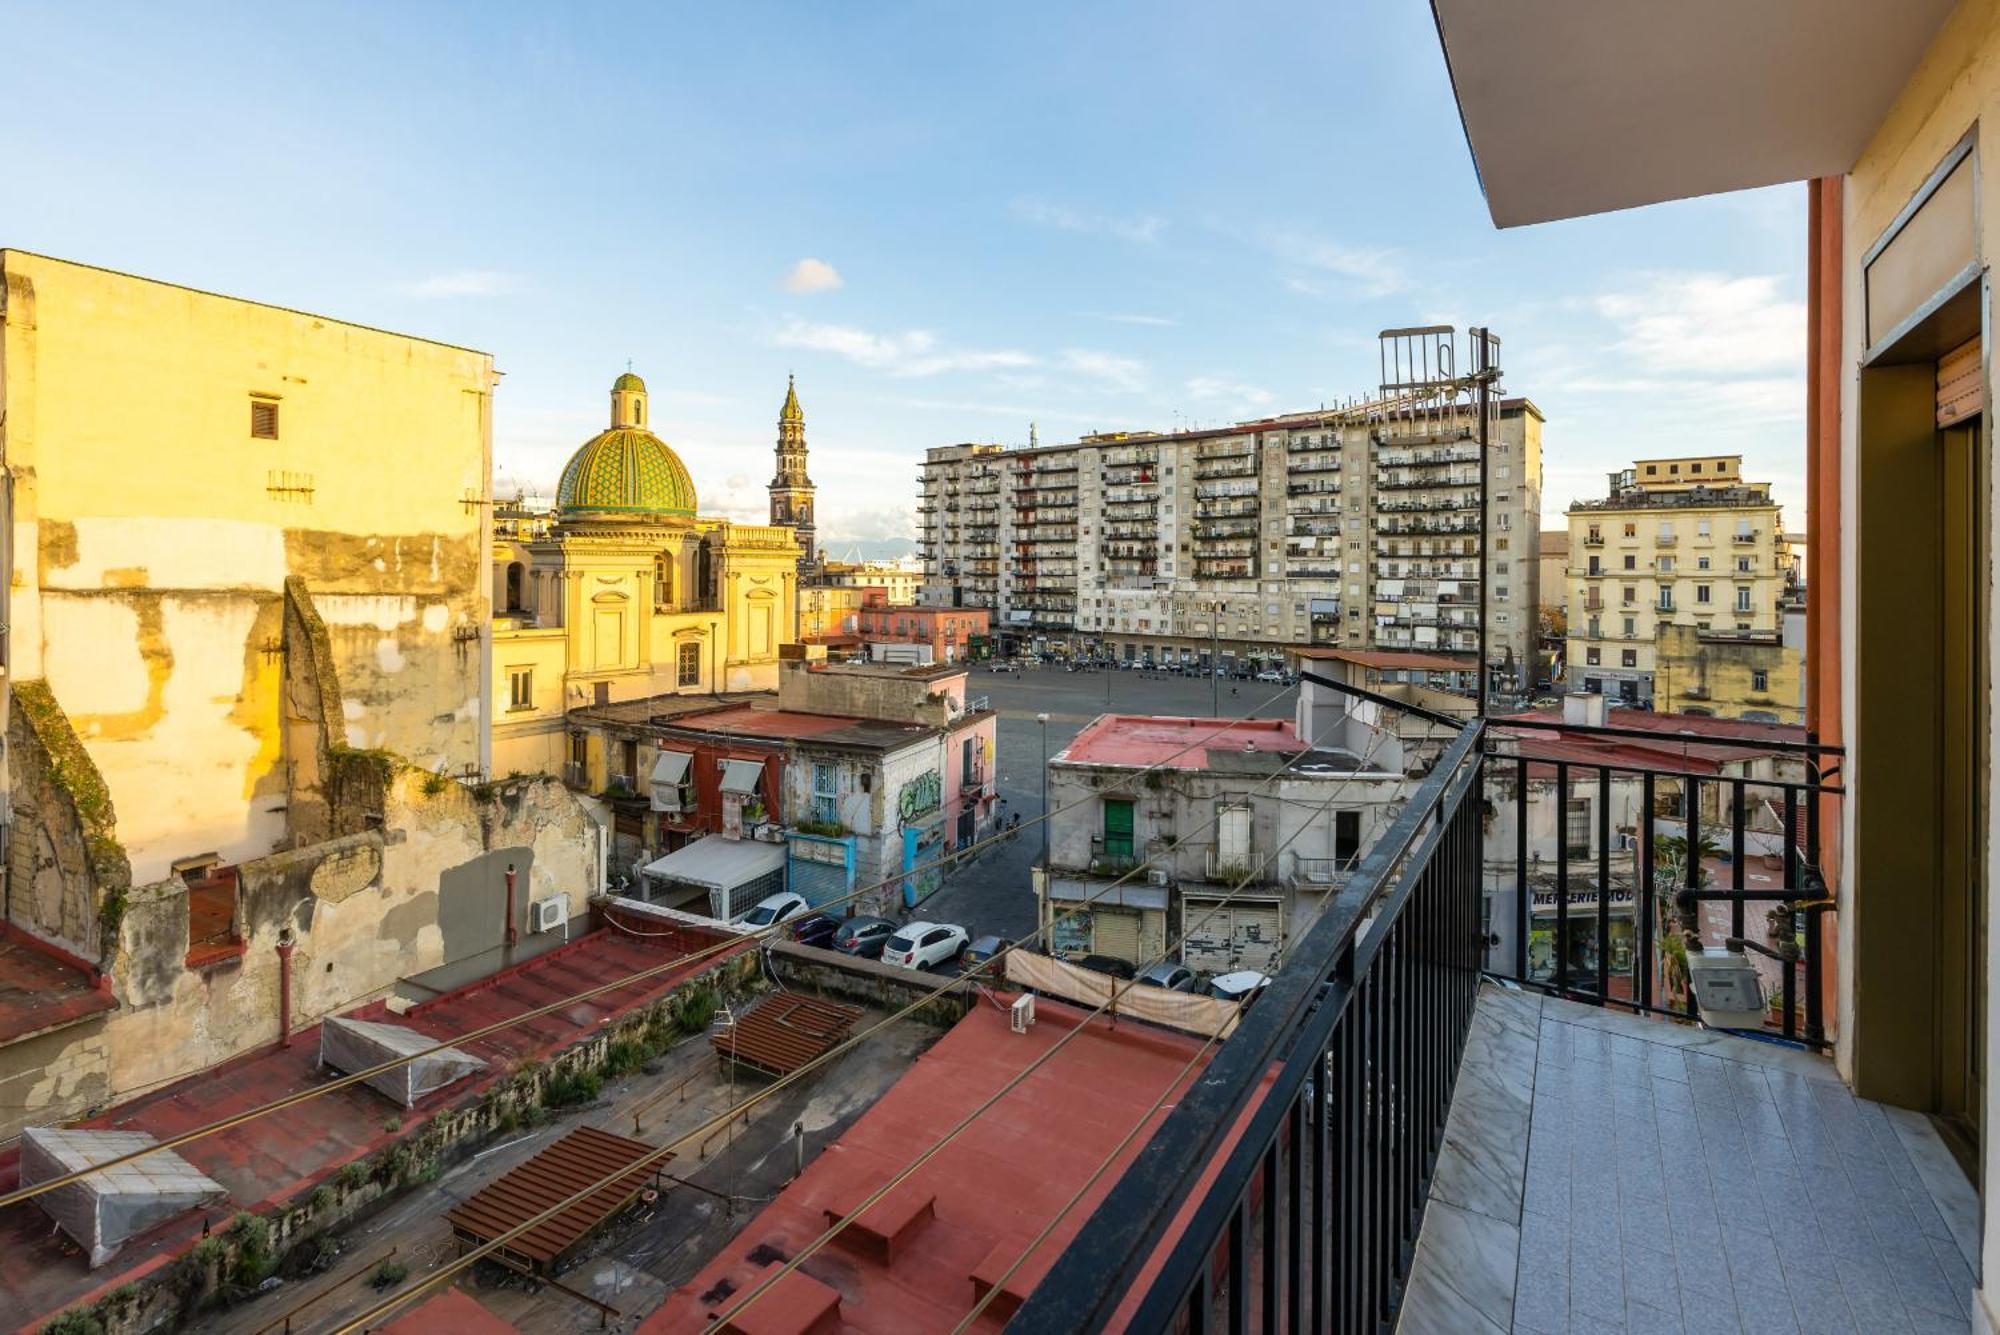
(1043, 719)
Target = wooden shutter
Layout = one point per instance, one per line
(1232, 836)
(263, 419)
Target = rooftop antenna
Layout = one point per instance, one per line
(1034, 437)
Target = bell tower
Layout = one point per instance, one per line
(791, 489)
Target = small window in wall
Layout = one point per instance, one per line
(1346, 838)
(520, 688)
(826, 793)
(1629, 658)
(263, 419)
(1760, 681)
(1576, 827)
(689, 665)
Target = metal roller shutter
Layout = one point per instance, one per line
(1115, 932)
(1230, 937)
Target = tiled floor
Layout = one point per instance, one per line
(1606, 1173)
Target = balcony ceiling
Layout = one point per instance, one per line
(1574, 107)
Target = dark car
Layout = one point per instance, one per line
(1110, 964)
(863, 937)
(979, 956)
(817, 929)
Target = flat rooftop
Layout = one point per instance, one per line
(1403, 659)
(783, 725)
(1688, 740)
(41, 991)
(970, 1210)
(1236, 746)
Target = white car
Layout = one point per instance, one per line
(1271, 674)
(1239, 986)
(775, 909)
(923, 945)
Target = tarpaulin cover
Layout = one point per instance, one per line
(1178, 1010)
(355, 1045)
(105, 1209)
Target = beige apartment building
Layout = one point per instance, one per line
(1677, 542)
(1355, 528)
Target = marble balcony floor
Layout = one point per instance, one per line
(1606, 1173)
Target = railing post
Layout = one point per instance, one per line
(1562, 878)
(1736, 856)
(1523, 916)
(1603, 884)
(1648, 908)
(1692, 828)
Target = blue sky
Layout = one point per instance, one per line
(1092, 217)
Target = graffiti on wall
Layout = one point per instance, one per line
(920, 796)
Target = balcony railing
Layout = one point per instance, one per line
(1311, 1213)
(1285, 1189)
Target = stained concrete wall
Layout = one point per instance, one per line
(153, 535)
(364, 911)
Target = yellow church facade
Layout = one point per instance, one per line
(625, 593)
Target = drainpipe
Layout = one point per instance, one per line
(513, 935)
(285, 947)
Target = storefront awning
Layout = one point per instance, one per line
(1100, 894)
(741, 776)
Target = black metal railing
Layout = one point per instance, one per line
(1605, 894)
(1303, 1153)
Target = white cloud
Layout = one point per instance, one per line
(1708, 324)
(914, 352)
(1142, 228)
(1121, 317)
(1222, 389)
(1122, 373)
(811, 275)
(1373, 271)
(465, 283)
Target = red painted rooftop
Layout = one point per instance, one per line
(273, 1158)
(1683, 741)
(451, 1312)
(974, 1207)
(1141, 740)
(40, 990)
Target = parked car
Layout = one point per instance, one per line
(1005, 666)
(1239, 986)
(815, 929)
(923, 945)
(1271, 674)
(863, 937)
(981, 954)
(1173, 977)
(1110, 964)
(775, 909)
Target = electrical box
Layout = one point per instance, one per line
(1728, 990)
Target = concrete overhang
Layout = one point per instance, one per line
(1575, 107)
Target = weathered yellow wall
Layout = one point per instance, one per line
(152, 536)
(1715, 676)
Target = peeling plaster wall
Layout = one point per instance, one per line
(153, 535)
(364, 910)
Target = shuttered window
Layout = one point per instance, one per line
(1116, 933)
(1117, 827)
(263, 419)
(1232, 836)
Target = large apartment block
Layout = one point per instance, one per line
(1356, 528)
(1678, 542)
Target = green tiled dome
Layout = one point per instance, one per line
(626, 470)
(628, 381)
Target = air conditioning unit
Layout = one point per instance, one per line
(1022, 1013)
(1156, 876)
(545, 915)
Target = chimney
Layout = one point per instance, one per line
(1583, 709)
